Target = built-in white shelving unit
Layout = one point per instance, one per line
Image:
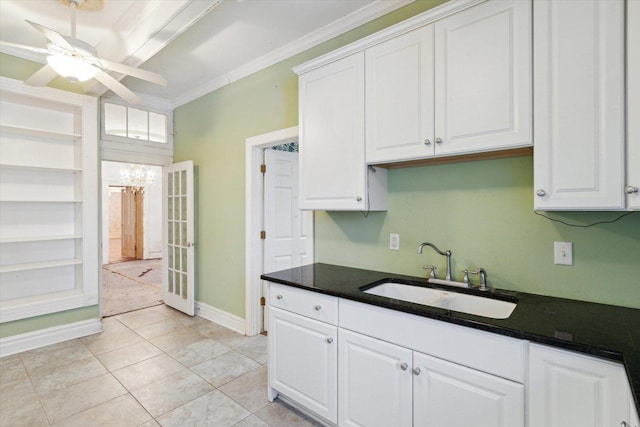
(48, 201)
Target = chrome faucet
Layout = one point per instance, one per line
(483, 278)
(445, 253)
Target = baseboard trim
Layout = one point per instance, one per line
(43, 337)
(221, 317)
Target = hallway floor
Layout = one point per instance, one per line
(149, 367)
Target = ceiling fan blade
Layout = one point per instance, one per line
(134, 72)
(118, 88)
(52, 35)
(24, 47)
(42, 77)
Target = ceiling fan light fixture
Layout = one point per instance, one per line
(72, 68)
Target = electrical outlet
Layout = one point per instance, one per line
(563, 253)
(394, 241)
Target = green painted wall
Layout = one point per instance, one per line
(482, 211)
(20, 69)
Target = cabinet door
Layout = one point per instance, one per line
(579, 104)
(303, 361)
(446, 394)
(569, 389)
(483, 78)
(399, 97)
(374, 382)
(633, 105)
(332, 168)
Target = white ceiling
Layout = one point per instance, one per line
(197, 45)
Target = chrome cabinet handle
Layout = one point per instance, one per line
(630, 189)
(624, 424)
(317, 308)
(416, 371)
(329, 340)
(541, 193)
(358, 199)
(427, 141)
(404, 366)
(279, 297)
(438, 140)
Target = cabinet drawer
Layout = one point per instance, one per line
(306, 303)
(484, 351)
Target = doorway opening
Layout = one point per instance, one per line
(131, 241)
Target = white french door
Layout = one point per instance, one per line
(178, 237)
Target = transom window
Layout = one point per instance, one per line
(135, 123)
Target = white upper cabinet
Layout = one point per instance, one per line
(333, 173)
(483, 78)
(460, 85)
(399, 97)
(579, 104)
(633, 105)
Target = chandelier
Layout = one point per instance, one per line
(137, 177)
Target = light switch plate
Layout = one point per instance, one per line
(394, 241)
(563, 253)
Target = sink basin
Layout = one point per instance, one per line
(449, 300)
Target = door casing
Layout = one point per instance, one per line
(254, 250)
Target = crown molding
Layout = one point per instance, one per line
(341, 26)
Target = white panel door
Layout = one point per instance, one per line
(633, 105)
(289, 231)
(483, 78)
(579, 104)
(332, 167)
(399, 97)
(446, 394)
(303, 361)
(179, 246)
(374, 382)
(569, 389)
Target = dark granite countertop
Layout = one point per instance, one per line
(601, 330)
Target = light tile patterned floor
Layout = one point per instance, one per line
(149, 367)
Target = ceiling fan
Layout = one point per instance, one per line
(76, 60)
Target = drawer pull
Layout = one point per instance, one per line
(279, 297)
(416, 371)
(329, 340)
(317, 308)
(404, 366)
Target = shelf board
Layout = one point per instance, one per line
(39, 238)
(39, 168)
(40, 201)
(39, 133)
(39, 265)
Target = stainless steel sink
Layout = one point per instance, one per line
(449, 300)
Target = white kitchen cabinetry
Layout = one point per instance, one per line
(48, 201)
(460, 85)
(441, 389)
(333, 173)
(632, 188)
(483, 78)
(569, 389)
(400, 98)
(579, 104)
(374, 382)
(303, 349)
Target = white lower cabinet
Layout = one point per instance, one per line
(303, 361)
(447, 394)
(568, 389)
(382, 384)
(374, 385)
(354, 364)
